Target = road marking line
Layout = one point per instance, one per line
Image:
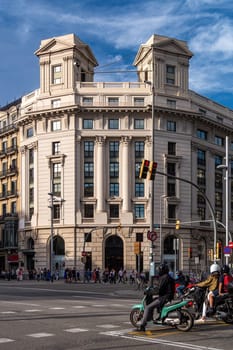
(76, 330)
(8, 312)
(40, 335)
(5, 340)
(34, 310)
(79, 307)
(108, 326)
(158, 341)
(56, 308)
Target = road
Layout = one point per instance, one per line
(43, 315)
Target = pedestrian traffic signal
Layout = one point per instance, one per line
(177, 224)
(152, 170)
(144, 169)
(190, 253)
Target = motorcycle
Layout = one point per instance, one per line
(172, 314)
(223, 304)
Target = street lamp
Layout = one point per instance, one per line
(51, 233)
(226, 167)
(160, 226)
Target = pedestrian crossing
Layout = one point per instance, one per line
(55, 310)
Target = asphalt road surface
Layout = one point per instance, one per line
(43, 315)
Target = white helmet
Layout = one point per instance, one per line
(215, 268)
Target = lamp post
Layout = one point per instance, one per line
(51, 233)
(226, 167)
(160, 226)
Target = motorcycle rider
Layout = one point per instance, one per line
(224, 280)
(212, 283)
(165, 293)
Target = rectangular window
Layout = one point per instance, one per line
(56, 147)
(113, 101)
(89, 211)
(31, 175)
(138, 123)
(88, 236)
(201, 180)
(56, 103)
(88, 189)
(171, 189)
(31, 195)
(171, 210)
(56, 211)
(139, 237)
(57, 170)
(139, 189)
(138, 101)
(218, 160)
(218, 140)
(87, 124)
(56, 74)
(13, 208)
(171, 148)
(4, 146)
(88, 149)
(55, 125)
(88, 169)
(114, 210)
(114, 149)
(171, 126)
(31, 156)
(170, 74)
(139, 149)
(139, 211)
(201, 213)
(114, 189)
(202, 134)
(201, 159)
(4, 190)
(57, 189)
(113, 124)
(29, 132)
(13, 187)
(171, 169)
(171, 103)
(114, 169)
(88, 101)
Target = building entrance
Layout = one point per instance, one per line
(114, 253)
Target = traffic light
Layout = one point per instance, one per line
(218, 250)
(144, 169)
(137, 248)
(152, 170)
(177, 224)
(211, 254)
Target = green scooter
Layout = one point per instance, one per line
(172, 314)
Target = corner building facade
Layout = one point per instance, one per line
(81, 146)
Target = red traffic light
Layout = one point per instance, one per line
(144, 169)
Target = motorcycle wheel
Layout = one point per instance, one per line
(135, 316)
(186, 321)
(228, 319)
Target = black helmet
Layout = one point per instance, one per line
(225, 269)
(163, 269)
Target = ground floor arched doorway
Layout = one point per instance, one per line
(58, 261)
(114, 253)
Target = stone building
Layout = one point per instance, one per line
(81, 146)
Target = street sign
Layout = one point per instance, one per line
(152, 235)
(227, 250)
(230, 244)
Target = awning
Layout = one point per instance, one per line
(13, 258)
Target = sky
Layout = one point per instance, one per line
(114, 29)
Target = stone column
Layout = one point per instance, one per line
(125, 183)
(100, 175)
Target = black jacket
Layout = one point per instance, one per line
(166, 287)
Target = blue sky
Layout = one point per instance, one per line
(114, 29)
